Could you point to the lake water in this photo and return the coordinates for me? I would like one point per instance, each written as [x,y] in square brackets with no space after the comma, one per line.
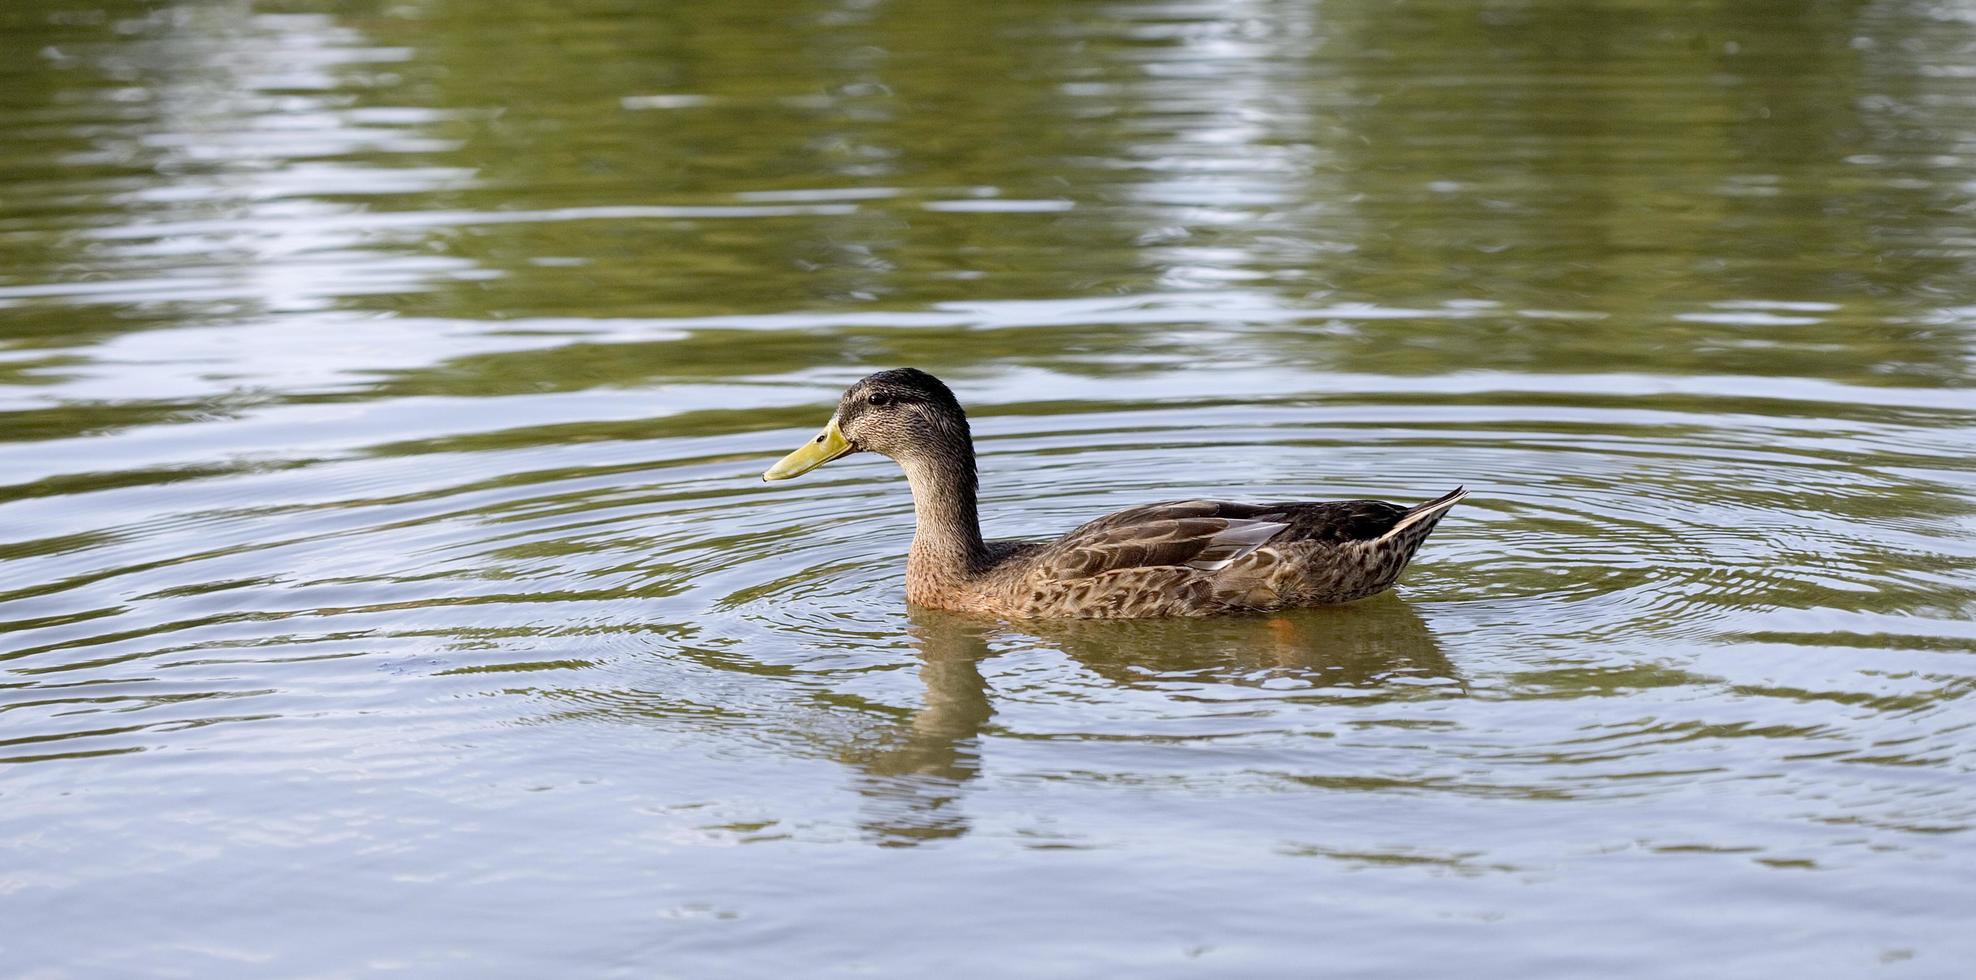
[387,587]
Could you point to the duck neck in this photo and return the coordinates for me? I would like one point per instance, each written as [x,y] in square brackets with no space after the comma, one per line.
[947,544]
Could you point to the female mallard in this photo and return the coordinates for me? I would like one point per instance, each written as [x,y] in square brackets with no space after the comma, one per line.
[1183,558]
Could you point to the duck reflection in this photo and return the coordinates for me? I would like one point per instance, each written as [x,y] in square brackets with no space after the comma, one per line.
[912,777]
[1380,647]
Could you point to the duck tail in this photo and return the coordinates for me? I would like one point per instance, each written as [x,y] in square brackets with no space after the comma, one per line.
[1426,515]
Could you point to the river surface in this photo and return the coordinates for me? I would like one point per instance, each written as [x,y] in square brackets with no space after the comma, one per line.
[387,587]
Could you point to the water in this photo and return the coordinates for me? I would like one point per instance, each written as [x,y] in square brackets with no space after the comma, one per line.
[386,585]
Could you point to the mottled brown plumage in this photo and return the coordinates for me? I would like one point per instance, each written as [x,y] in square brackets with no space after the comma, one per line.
[1179,558]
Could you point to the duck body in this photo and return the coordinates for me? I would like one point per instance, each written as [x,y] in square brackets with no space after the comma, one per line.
[1177,558]
[1190,558]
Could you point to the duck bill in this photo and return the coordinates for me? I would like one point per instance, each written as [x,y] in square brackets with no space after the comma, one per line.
[828,445]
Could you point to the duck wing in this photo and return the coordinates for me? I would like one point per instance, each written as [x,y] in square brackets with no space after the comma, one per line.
[1203,535]
[1209,535]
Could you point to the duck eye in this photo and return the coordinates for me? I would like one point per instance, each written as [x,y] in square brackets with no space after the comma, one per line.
[880,401]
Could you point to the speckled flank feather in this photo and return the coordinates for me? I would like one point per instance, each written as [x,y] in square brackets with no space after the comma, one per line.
[1180,558]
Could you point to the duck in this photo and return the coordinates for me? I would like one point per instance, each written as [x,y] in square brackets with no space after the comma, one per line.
[1173,558]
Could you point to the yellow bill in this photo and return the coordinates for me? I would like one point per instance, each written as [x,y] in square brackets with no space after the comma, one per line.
[828,445]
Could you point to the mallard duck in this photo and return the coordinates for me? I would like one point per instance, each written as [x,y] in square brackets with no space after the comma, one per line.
[1180,558]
